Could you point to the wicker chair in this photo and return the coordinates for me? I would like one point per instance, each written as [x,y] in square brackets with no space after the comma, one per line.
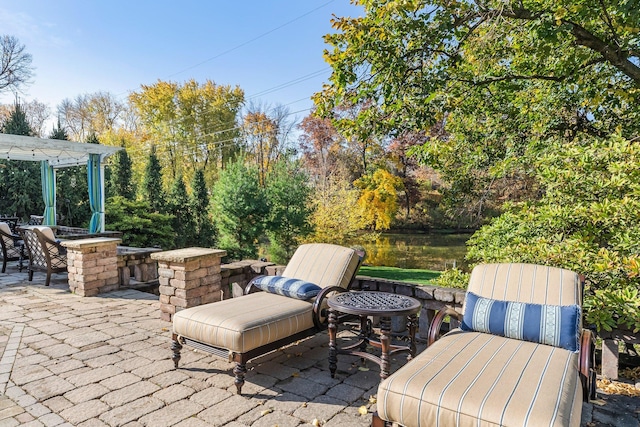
[520,356]
[11,245]
[251,325]
[45,253]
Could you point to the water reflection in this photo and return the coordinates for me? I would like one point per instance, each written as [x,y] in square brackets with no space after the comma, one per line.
[425,251]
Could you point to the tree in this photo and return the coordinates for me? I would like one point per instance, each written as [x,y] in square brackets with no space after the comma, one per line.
[19,180]
[140,226]
[179,207]
[288,194]
[120,175]
[336,216]
[71,189]
[97,113]
[504,78]
[240,209]
[379,198]
[199,203]
[265,131]
[320,144]
[15,64]
[193,125]
[152,190]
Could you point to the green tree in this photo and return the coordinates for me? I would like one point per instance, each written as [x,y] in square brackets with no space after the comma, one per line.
[199,202]
[140,226]
[240,210]
[503,78]
[179,207]
[20,188]
[121,176]
[288,195]
[72,200]
[152,190]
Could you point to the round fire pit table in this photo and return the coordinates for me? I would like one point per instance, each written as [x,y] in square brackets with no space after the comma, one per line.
[369,303]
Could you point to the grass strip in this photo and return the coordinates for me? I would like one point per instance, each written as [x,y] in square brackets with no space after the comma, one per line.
[421,277]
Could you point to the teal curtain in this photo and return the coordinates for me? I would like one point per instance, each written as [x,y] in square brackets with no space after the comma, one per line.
[48,178]
[96,199]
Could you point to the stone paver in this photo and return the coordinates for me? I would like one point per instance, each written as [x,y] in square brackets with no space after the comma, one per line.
[104,361]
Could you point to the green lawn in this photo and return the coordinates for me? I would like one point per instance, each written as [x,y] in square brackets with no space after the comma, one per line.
[422,277]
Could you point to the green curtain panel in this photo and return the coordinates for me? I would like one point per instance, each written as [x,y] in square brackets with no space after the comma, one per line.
[96,202]
[48,177]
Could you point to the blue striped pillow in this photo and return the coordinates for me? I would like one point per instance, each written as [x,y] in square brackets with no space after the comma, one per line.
[556,325]
[293,288]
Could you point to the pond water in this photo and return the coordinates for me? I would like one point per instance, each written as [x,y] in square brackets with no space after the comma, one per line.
[424,251]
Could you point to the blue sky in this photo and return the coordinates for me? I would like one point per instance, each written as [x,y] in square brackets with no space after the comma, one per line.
[270,48]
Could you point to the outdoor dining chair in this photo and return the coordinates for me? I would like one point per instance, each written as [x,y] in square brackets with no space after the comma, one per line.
[289,308]
[520,356]
[45,252]
[11,245]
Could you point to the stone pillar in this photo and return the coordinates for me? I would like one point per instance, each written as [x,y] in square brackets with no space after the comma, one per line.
[92,265]
[188,277]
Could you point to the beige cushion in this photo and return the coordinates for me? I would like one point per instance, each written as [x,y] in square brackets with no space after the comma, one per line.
[323,264]
[476,379]
[527,283]
[48,233]
[244,323]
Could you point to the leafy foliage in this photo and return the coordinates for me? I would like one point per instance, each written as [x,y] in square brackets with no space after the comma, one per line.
[240,209]
[120,176]
[378,200]
[587,221]
[288,194]
[336,215]
[140,226]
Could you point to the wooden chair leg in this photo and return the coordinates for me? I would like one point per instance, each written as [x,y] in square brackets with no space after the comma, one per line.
[30,275]
[46,283]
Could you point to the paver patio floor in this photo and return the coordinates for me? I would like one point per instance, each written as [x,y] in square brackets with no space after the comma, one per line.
[105,361]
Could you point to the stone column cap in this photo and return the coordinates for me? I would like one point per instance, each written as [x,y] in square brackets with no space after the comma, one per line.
[188,254]
[90,242]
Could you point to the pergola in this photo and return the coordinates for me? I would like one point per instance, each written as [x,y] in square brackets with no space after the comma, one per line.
[55,154]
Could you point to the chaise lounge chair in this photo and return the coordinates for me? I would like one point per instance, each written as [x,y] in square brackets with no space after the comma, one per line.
[10,245]
[520,356]
[289,308]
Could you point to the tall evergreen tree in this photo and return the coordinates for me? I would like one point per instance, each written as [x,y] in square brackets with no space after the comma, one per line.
[200,204]
[178,206]
[152,183]
[120,175]
[240,210]
[20,188]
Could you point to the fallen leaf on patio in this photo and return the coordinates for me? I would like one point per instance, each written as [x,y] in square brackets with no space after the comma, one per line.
[315,422]
[615,387]
[165,329]
[304,404]
[363,368]
[363,410]
[295,374]
[373,399]
[266,411]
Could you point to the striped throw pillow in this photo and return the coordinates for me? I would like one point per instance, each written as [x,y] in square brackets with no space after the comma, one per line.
[288,287]
[554,325]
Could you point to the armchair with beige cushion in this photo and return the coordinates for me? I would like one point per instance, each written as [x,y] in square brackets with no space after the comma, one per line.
[45,252]
[520,356]
[288,309]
